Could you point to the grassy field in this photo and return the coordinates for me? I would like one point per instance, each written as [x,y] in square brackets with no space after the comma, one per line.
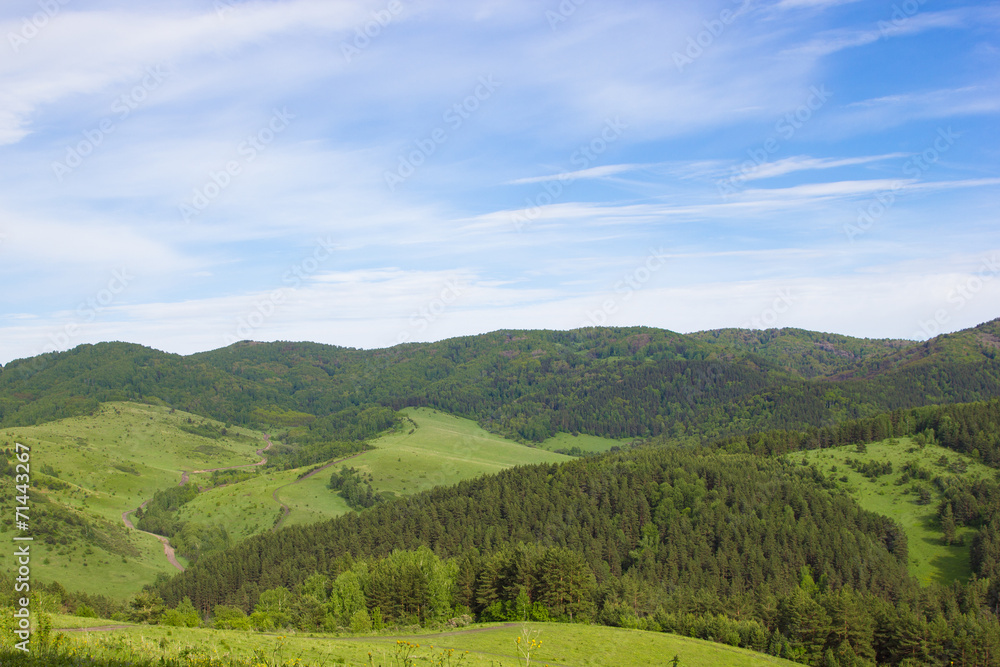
[245,509]
[586,443]
[930,559]
[112,461]
[488,644]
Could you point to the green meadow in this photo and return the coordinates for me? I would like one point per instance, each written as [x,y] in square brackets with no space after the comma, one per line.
[478,645]
[432,448]
[588,444]
[930,559]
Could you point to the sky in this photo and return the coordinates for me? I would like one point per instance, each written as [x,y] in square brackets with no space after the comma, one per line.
[184,174]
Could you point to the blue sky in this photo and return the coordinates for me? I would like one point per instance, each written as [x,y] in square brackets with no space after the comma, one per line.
[188,173]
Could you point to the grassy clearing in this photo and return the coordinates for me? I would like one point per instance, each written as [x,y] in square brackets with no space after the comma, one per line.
[489,644]
[586,443]
[930,559]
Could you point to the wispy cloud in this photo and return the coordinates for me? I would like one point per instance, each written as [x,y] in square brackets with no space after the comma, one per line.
[592,172]
[891,26]
[804,163]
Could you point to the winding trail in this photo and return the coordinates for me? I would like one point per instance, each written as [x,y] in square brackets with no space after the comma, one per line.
[168,550]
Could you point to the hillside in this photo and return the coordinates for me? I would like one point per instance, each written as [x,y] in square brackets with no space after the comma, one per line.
[659,538]
[905,480]
[92,469]
[89,470]
[428,449]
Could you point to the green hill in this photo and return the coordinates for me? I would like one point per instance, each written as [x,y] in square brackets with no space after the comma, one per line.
[893,491]
[91,469]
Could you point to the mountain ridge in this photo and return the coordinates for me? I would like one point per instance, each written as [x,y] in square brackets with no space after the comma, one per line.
[531,384]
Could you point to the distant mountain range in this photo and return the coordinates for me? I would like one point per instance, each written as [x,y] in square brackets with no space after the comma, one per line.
[616,382]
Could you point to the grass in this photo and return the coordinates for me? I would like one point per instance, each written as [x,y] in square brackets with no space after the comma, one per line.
[487,644]
[930,559]
[245,509]
[432,449]
[438,449]
[586,443]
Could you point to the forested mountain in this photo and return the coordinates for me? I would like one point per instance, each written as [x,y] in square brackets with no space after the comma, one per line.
[527,384]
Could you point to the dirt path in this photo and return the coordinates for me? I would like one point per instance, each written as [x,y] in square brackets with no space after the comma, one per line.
[285,509]
[168,550]
[260,453]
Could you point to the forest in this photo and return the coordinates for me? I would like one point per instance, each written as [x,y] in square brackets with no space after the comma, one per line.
[753,550]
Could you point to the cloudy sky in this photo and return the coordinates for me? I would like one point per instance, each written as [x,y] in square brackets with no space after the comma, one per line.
[186,173]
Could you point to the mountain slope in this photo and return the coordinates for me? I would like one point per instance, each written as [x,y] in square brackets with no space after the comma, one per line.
[614,382]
